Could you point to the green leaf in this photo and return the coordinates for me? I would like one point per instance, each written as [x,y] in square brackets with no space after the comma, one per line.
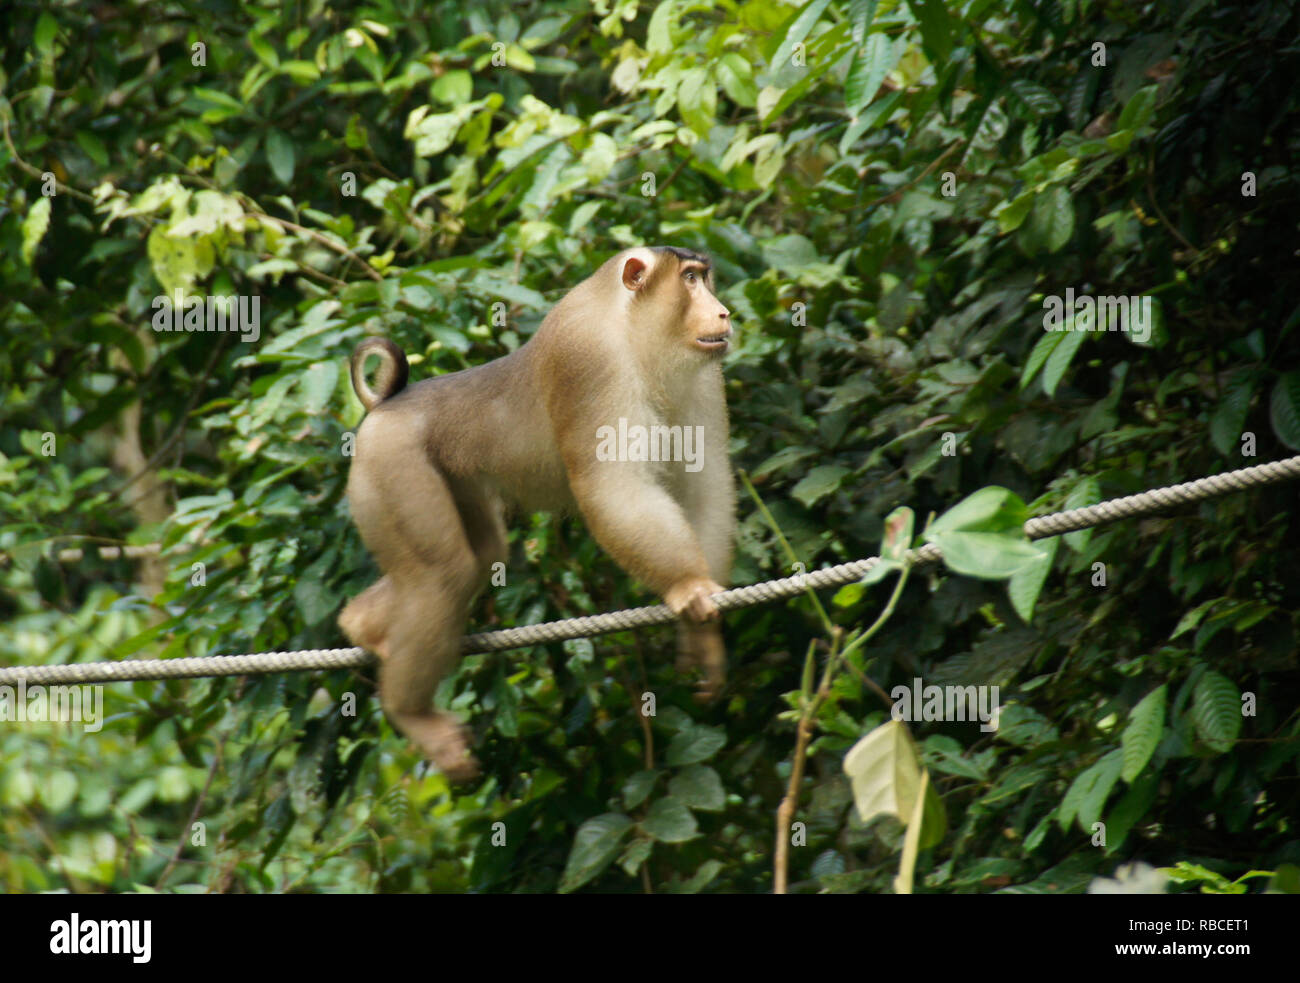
[658,39]
[454,88]
[638,787]
[700,879]
[899,530]
[870,65]
[315,601]
[849,594]
[1059,360]
[698,787]
[1038,357]
[93,146]
[302,72]
[355,136]
[696,743]
[799,29]
[58,790]
[47,29]
[1087,794]
[218,98]
[1284,409]
[768,164]
[519,58]
[669,821]
[1286,880]
[1012,214]
[35,224]
[936,29]
[1027,582]
[697,100]
[987,555]
[991,509]
[1053,218]
[881,109]
[637,853]
[809,673]
[1131,807]
[19,788]
[1193,617]
[1086,492]
[861,15]
[1037,98]
[885,773]
[599,158]
[782,460]
[280,155]
[1216,711]
[594,846]
[264,51]
[434,134]
[1146,726]
[818,483]
[173,786]
[943,754]
[1229,417]
[1139,109]
[737,79]
[319,383]
[791,253]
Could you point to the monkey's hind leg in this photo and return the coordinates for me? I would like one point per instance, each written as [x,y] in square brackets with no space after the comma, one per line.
[366,617]
[438,553]
[428,619]
[368,620]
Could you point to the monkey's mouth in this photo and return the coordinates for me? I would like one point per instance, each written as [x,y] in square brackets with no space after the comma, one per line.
[714,342]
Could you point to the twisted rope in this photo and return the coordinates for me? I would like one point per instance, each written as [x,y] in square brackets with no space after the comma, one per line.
[1144,503]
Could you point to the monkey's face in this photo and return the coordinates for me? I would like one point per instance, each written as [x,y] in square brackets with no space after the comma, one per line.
[707,321]
[674,300]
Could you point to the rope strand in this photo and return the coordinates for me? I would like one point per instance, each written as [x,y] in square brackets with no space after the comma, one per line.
[1144,503]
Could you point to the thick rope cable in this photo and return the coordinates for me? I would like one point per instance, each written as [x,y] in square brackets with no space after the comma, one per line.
[1144,503]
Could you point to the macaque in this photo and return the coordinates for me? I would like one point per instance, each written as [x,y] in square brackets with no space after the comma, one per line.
[614,409]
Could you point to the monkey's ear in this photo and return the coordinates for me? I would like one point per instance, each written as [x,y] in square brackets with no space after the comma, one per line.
[634,273]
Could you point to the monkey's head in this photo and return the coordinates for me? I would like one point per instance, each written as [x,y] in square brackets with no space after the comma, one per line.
[670,298]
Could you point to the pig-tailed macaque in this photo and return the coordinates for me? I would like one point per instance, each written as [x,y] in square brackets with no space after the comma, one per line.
[614,409]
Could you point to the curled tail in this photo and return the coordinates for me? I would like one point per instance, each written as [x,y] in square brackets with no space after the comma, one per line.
[391,378]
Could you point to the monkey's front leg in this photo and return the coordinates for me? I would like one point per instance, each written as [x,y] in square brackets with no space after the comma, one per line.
[709,501]
[700,650]
[699,639]
[646,531]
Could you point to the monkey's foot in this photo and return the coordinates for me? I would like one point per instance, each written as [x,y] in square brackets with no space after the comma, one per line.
[692,598]
[709,681]
[443,739]
[700,652]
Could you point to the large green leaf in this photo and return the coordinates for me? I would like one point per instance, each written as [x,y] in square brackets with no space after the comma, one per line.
[594,846]
[1145,726]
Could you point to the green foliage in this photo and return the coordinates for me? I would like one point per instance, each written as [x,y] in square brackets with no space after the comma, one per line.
[895,195]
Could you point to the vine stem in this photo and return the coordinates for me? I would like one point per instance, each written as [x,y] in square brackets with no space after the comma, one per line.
[804,732]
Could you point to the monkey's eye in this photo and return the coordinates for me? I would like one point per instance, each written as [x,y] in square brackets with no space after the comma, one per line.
[690,276]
